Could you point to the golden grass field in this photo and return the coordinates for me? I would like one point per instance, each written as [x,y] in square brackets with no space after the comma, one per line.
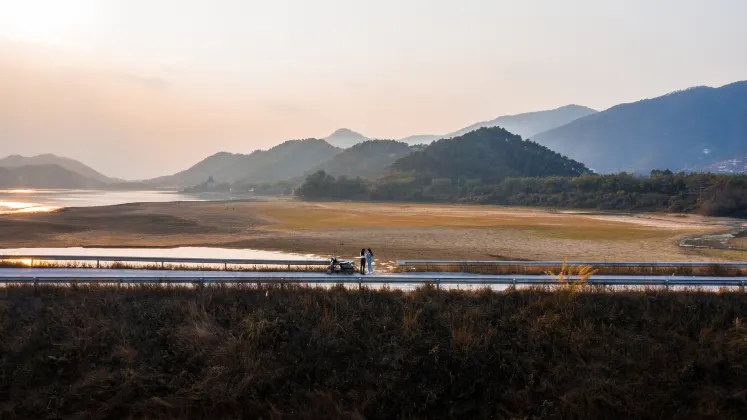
[739,242]
[394,231]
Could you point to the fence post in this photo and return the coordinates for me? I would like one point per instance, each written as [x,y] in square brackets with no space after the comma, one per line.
[741,286]
[666,284]
[98,264]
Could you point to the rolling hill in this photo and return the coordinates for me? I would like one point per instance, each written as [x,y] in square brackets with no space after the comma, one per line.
[16,161]
[285,161]
[491,155]
[46,177]
[684,129]
[369,159]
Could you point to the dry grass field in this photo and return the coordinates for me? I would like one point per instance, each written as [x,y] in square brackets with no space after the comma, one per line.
[394,231]
[740,242]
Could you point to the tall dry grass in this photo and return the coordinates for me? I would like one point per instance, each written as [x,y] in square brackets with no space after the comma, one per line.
[306,353]
[715,270]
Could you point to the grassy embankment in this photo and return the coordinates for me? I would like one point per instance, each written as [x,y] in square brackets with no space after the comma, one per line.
[231,352]
[711,270]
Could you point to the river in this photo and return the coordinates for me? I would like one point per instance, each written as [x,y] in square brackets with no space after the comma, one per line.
[28,200]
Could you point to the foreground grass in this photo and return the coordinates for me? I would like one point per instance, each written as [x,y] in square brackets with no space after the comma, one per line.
[228,352]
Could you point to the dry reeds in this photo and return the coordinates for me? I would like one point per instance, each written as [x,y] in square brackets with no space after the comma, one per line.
[225,352]
[713,270]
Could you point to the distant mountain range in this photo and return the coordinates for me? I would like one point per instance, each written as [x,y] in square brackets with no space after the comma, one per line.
[698,129]
[525,125]
[15,161]
[685,129]
[47,177]
[285,161]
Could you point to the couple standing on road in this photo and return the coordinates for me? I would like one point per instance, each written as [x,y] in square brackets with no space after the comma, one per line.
[367,259]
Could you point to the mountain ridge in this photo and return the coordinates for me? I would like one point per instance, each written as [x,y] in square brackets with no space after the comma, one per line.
[345,137]
[692,127]
[525,124]
[369,159]
[15,161]
[288,160]
[49,176]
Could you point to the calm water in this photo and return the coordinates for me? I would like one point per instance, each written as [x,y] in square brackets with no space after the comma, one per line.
[20,201]
[183,252]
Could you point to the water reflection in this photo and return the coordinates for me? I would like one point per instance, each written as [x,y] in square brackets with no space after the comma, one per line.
[31,200]
[181,252]
[19,191]
[21,207]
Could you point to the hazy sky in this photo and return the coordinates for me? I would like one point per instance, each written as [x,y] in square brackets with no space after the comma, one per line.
[100,80]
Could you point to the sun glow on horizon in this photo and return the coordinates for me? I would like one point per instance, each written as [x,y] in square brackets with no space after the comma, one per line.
[49,22]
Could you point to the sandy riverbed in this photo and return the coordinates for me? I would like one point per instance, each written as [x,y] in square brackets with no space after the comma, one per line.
[394,231]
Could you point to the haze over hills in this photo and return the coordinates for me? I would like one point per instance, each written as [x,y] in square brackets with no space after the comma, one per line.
[369,159]
[46,177]
[684,129]
[526,125]
[285,161]
[700,129]
[15,161]
[344,138]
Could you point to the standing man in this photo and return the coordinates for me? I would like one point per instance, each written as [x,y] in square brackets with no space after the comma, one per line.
[363,261]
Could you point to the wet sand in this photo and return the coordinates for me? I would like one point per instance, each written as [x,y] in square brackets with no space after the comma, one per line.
[394,231]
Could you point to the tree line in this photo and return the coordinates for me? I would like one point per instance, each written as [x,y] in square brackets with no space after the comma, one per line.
[702,193]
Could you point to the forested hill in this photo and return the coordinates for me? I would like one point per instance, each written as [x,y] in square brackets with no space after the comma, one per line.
[490,155]
[370,159]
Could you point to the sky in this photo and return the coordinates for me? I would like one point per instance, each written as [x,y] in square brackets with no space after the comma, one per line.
[141,88]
